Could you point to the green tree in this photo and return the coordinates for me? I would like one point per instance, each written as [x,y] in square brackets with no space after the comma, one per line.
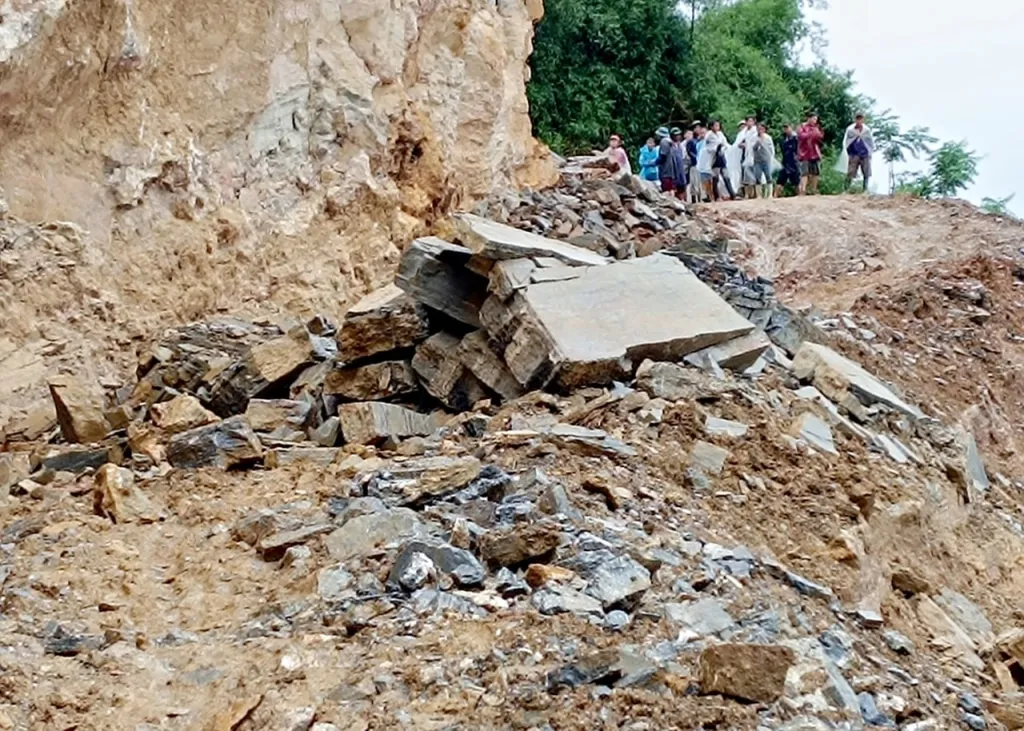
[954,166]
[896,145]
[603,66]
[998,206]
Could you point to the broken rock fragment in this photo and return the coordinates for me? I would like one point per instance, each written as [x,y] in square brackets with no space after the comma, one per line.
[410,481]
[372,382]
[281,418]
[519,544]
[368,533]
[226,444]
[716,427]
[435,274]
[181,413]
[703,617]
[499,242]
[372,422]
[815,432]
[595,328]
[385,320]
[281,456]
[508,276]
[116,496]
[678,383]
[737,354]
[755,673]
[594,442]
[273,547]
[461,565]
[708,458]
[438,364]
[620,582]
[79,411]
[261,369]
[480,359]
[557,599]
[837,376]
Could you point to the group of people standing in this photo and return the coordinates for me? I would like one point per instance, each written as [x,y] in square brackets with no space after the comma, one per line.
[701,165]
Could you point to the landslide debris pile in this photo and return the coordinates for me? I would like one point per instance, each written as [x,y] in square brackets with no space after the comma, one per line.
[526,486]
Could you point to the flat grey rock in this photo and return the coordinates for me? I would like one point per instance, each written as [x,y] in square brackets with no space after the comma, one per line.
[621,581]
[815,432]
[737,354]
[702,617]
[365,534]
[835,376]
[557,599]
[595,328]
[715,427]
[708,457]
[499,242]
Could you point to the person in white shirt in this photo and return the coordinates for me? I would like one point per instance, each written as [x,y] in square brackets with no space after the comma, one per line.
[616,154]
[858,146]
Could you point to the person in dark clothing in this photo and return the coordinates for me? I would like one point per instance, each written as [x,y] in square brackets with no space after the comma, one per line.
[680,159]
[790,173]
[692,151]
[666,161]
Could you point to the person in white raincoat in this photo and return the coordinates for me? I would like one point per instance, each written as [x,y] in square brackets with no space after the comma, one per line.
[745,140]
[858,146]
[714,163]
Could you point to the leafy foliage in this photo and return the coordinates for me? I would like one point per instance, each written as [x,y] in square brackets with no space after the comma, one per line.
[954,167]
[896,145]
[998,206]
[603,66]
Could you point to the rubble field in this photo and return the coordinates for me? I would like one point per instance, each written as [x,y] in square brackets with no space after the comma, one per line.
[580,466]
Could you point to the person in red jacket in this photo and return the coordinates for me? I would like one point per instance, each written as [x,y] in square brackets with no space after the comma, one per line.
[808,154]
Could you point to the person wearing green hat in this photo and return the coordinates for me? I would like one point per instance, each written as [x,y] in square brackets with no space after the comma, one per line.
[666,162]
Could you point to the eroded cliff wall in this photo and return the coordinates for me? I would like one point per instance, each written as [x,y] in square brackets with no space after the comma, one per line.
[244,155]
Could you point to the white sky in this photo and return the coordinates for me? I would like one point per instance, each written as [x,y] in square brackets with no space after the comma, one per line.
[953,66]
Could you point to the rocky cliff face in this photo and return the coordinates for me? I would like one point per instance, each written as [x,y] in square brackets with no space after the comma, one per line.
[271,152]
[286,145]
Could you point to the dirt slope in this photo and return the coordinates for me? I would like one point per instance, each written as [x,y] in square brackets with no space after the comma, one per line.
[828,251]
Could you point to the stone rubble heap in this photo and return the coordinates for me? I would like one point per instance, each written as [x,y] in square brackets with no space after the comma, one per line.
[496,314]
[504,341]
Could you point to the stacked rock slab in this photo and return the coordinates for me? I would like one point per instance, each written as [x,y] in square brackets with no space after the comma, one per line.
[555,314]
[487,317]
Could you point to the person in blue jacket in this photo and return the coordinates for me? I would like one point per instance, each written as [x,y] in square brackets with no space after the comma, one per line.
[649,160]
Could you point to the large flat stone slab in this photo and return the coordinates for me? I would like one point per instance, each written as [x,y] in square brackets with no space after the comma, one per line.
[500,242]
[434,272]
[835,376]
[597,327]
